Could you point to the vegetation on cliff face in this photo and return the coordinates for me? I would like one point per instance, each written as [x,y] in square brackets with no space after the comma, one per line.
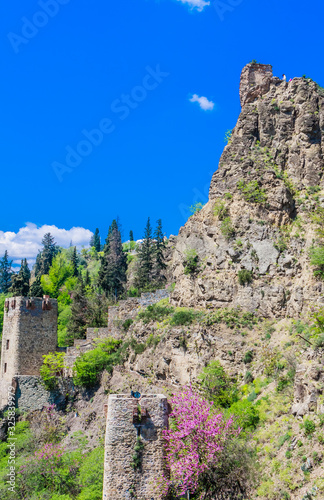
[244,326]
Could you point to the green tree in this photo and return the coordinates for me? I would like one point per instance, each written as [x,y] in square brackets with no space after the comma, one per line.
[20,282]
[95,240]
[45,258]
[5,273]
[36,289]
[131,236]
[77,325]
[112,273]
[74,262]
[145,259]
[87,279]
[59,272]
[52,367]
[217,386]
[97,309]
[159,249]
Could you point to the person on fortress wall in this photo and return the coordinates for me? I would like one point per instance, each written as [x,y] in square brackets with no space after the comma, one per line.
[284,77]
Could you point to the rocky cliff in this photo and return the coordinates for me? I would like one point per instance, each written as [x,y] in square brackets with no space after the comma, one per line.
[261,204]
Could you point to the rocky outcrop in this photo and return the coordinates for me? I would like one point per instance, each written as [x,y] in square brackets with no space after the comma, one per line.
[308,389]
[255,81]
[258,217]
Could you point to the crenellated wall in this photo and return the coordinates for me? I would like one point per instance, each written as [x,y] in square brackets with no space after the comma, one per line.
[29,332]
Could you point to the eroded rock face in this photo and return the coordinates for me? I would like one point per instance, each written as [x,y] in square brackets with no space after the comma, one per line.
[276,151]
[255,81]
[308,392]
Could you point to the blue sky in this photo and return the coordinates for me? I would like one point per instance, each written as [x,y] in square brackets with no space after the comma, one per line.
[67,73]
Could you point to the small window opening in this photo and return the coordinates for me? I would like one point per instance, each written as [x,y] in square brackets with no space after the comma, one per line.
[5,367]
[8,344]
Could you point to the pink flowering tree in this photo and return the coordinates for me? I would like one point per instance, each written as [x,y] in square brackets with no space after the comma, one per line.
[194,444]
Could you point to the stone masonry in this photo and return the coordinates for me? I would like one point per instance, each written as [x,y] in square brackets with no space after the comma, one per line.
[29,332]
[121,481]
[126,309]
[255,81]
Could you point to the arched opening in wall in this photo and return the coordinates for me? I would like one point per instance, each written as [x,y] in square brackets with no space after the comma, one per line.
[7,344]
[5,368]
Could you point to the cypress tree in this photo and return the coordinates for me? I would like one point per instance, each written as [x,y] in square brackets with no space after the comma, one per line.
[131,236]
[44,262]
[87,280]
[74,261]
[36,289]
[5,273]
[25,271]
[77,325]
[95,241]
[145,259]
[159,248]
[20,282]
[112,273]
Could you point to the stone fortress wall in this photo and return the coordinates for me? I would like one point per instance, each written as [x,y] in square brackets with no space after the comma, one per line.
[121,481]
[29,332]
[126,309]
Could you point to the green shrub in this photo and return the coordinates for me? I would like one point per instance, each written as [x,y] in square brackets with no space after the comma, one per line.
[283,382]
[227,229]
[317,260]
[196,208]
[91,364]
[228,136]
[233,318]
[246,413]
[220,210]
[137,347]
[51,369]
[244,277]
[155,312]
[281,244]
[126,325]
[248,357]
[217,386]
[252,192]
[133,292]
[252,396]
[137,456]
[90,475]
[319,341]
[248,378]
[190,261]
[313,189]
[152,340]
[184,317]
[309,426]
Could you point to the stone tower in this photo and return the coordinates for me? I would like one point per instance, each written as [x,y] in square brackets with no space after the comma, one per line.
[125,423]
[29,332]
[255,81]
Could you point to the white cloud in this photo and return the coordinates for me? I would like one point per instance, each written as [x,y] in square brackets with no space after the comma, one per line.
[27,241]
[196,4]
[204,103]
